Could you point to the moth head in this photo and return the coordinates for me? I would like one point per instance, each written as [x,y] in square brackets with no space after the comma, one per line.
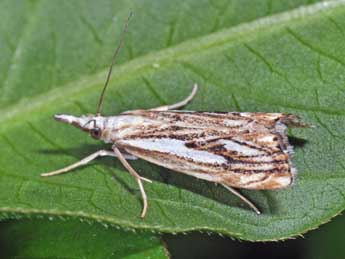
[94,125]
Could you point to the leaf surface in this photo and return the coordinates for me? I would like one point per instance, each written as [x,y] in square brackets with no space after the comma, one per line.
[292,61]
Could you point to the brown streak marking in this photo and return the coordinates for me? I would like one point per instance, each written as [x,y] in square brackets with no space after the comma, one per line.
[218,148]
[221,117]
[183,159]
[263,185]
[227,137]
[186,136]
[234,158]
[252,146]
[189,117]
[177,133]
[245,161]
[259,117]
[260,180]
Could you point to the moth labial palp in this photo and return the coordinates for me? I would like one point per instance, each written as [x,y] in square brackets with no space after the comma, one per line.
[247,150]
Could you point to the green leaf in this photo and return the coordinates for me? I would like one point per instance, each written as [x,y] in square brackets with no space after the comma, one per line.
[73,239]
[54,61]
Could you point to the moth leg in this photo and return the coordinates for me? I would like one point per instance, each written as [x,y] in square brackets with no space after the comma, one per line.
[137,177]
[250,204]
[85,161]
[179,104]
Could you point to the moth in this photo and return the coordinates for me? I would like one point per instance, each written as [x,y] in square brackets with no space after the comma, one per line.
[235,149]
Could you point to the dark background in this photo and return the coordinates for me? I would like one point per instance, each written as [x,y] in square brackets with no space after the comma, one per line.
[325,242]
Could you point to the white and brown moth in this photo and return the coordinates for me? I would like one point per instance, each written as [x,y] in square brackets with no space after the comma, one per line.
[235,149]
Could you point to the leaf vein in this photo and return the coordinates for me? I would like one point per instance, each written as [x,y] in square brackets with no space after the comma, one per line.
[16,150]
[153,91]
[313,48]
[268,64]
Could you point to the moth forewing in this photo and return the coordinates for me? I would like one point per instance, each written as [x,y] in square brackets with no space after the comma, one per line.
[252,153]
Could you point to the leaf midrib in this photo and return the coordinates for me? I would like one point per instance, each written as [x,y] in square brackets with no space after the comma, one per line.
[87,83]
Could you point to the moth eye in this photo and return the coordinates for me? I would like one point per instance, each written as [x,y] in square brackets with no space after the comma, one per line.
[96,133]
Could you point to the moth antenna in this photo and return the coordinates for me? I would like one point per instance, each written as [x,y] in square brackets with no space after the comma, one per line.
[112,64]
